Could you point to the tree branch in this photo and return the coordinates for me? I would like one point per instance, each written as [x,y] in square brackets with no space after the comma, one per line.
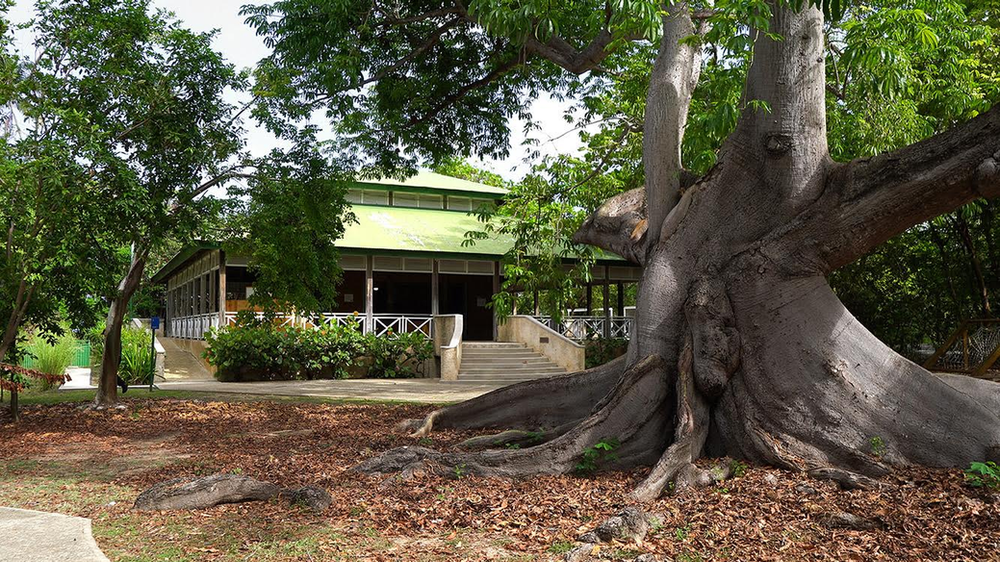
[559,52]
[620,224]
[432,40]
[450,99]
[883,196]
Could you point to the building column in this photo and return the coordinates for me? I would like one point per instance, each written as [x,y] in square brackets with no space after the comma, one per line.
[222,288]
[590,299]
[621,299]
[435,304]
[607,303]
[369,293]
[496,289]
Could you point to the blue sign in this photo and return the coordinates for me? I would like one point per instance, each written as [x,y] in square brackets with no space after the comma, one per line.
[154,322]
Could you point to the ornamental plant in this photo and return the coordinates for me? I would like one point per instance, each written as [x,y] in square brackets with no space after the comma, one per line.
[258,350]
[14,379]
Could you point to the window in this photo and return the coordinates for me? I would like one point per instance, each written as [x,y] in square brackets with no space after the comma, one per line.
[459,203]
[417,200]
[367,197]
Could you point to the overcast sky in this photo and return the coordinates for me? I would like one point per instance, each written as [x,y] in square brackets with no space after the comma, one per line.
[243,48]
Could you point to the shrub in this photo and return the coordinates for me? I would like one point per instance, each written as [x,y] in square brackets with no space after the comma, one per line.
[599,351]
[51,357]
[983,475]
[395,356]
[136,366]
[95,335]
[260,351]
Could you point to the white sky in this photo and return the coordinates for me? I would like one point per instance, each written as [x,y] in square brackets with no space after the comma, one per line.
[238,43]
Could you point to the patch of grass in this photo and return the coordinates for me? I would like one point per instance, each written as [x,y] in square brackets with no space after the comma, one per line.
[561,547]
[737,468]
[135,394]
[877,446]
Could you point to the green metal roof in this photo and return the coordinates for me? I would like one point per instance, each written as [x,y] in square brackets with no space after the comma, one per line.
[186,253]
[429,181]
[403,229]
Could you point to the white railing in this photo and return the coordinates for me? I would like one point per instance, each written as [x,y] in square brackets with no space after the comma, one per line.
[581,328]
[385,323]
[192,327]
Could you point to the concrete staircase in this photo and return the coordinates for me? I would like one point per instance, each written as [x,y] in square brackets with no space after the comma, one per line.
[504,362]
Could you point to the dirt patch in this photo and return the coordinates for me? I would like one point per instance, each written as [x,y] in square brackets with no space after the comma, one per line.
[94,463]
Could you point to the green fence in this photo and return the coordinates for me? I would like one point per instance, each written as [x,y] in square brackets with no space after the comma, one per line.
[80,359]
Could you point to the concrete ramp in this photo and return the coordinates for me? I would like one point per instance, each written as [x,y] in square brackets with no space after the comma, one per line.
[36,536]
[180,362]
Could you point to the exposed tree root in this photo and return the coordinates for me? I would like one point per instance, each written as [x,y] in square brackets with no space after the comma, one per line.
[846,479]
[690,433]
[529,406]
[515,438]
[637,414]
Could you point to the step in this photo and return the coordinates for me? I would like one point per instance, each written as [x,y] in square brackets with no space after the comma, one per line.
[493,345]
[506,380]
[516,372]
[495,377]
[503,361]
[518,349]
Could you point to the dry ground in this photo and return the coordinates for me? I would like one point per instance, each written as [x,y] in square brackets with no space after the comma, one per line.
[76,461]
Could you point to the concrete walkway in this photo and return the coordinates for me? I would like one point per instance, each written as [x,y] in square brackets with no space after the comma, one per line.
[35,536]
[431,391]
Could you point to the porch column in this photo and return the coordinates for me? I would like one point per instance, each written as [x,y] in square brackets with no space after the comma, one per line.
[621,299]
[369,293]
[607,302]
[222,288]
[169,313]
[496,289]
[435,305]
[590,299]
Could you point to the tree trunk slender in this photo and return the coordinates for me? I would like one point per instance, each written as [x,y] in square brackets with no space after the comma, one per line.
[962,226]
[671,84]
[107,387]
[946,267]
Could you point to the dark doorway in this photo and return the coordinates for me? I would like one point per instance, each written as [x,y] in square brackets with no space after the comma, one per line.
[402,293]
[469,296]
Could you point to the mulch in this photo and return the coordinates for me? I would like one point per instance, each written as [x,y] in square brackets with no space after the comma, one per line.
[766,514]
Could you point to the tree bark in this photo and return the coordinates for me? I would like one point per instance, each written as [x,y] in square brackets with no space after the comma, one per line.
[671,85]
[740,347]
[107,387]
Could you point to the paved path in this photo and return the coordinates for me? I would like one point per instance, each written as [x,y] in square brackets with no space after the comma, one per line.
[79,379]
[431,391]
[35,536]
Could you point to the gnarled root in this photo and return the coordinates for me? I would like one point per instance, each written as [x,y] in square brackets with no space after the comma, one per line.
[529,406]
[515,438]
[636,414]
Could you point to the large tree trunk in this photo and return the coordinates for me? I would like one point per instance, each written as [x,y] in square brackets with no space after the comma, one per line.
[107,387]
[740,346]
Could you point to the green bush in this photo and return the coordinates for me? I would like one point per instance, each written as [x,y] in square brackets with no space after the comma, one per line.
[254,352]
[95,335]
[137,355]
[395,356]
[599,351]
[51,357]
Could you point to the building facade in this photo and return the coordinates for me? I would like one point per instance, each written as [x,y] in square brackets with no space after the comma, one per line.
[403,263]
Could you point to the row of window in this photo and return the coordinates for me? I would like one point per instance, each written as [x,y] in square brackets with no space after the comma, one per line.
[414,200]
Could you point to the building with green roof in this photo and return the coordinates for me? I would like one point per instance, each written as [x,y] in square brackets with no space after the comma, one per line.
[403,261]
